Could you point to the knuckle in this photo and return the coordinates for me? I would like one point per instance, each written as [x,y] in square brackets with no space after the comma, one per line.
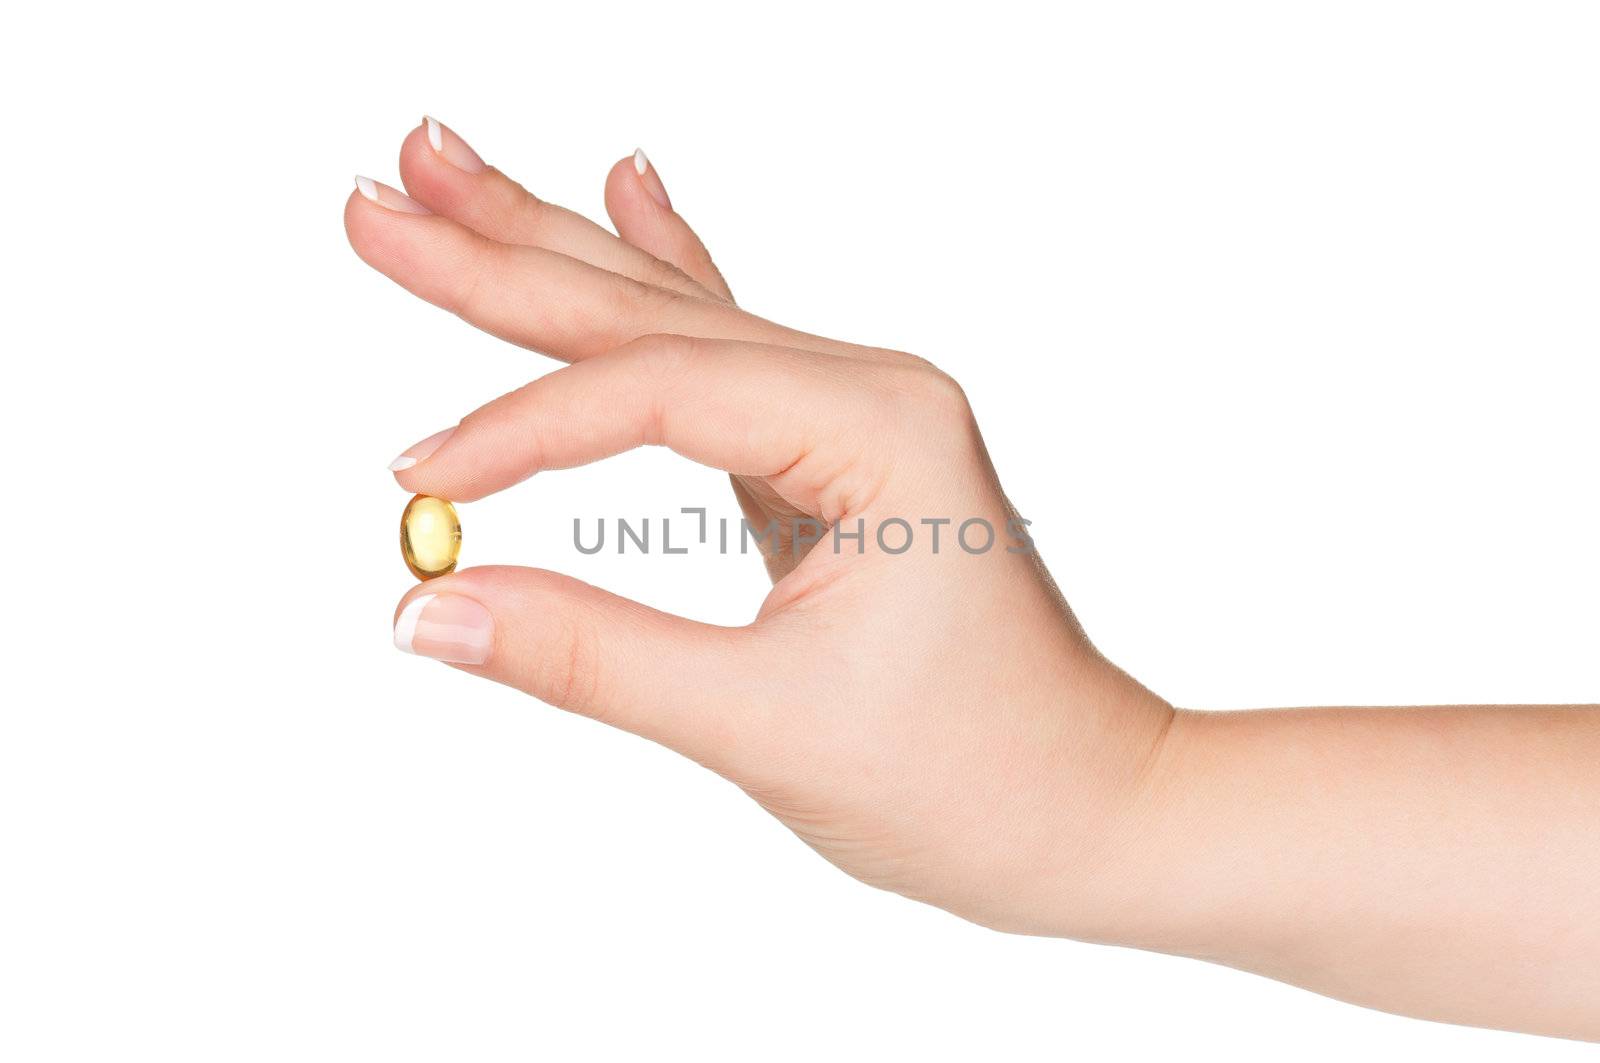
[664,362]
[664,358]
[894,357]
[670,277]
[933,391]
[658,304]
[567,667]
[475,278]
[638,307]
[532,214]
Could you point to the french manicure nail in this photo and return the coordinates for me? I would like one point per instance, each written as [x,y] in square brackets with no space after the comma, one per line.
[446,627]
[393,198]
[650,179]
[449,146]
[419,451]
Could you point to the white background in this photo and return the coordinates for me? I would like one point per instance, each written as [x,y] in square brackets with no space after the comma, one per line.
[1281,321]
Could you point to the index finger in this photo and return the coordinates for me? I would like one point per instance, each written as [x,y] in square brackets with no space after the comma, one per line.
[802,420]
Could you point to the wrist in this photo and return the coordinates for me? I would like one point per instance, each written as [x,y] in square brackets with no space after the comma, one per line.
[1097,810]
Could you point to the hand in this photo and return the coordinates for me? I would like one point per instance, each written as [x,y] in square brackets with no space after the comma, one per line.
[933,721]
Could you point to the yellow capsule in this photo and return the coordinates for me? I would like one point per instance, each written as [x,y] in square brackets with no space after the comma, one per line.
[430,537]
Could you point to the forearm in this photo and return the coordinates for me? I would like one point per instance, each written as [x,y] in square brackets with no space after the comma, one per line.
[1440,862]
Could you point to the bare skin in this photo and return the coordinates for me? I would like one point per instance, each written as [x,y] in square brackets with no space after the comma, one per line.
[939,724]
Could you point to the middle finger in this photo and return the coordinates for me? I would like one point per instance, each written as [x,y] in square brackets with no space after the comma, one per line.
[450,179]
[548,302]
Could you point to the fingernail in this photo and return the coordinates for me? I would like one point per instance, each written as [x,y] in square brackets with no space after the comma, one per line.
[447,143]
[420,451]
[652,180]
[446,627]
[384,196]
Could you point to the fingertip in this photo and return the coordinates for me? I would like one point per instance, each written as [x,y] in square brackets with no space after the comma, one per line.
[454,628]
[638,206]
[477,465]
[425,175]
[436,161]
[428,254]
[367,227]
[388,197]
[650,179]
[640,219]
[420,451]
[462,617]
[352,211]
[447,483]
[470,467]
[633,185]
[499,588]
[620,182]
[405,616]
[414,149]
[371,214]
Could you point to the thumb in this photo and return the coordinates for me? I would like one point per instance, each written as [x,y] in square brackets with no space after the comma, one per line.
[638,204]
[689,686]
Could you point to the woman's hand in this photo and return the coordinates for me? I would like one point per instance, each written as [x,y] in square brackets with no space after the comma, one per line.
[933,720]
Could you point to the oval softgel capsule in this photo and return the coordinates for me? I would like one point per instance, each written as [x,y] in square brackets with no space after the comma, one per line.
[430,536]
